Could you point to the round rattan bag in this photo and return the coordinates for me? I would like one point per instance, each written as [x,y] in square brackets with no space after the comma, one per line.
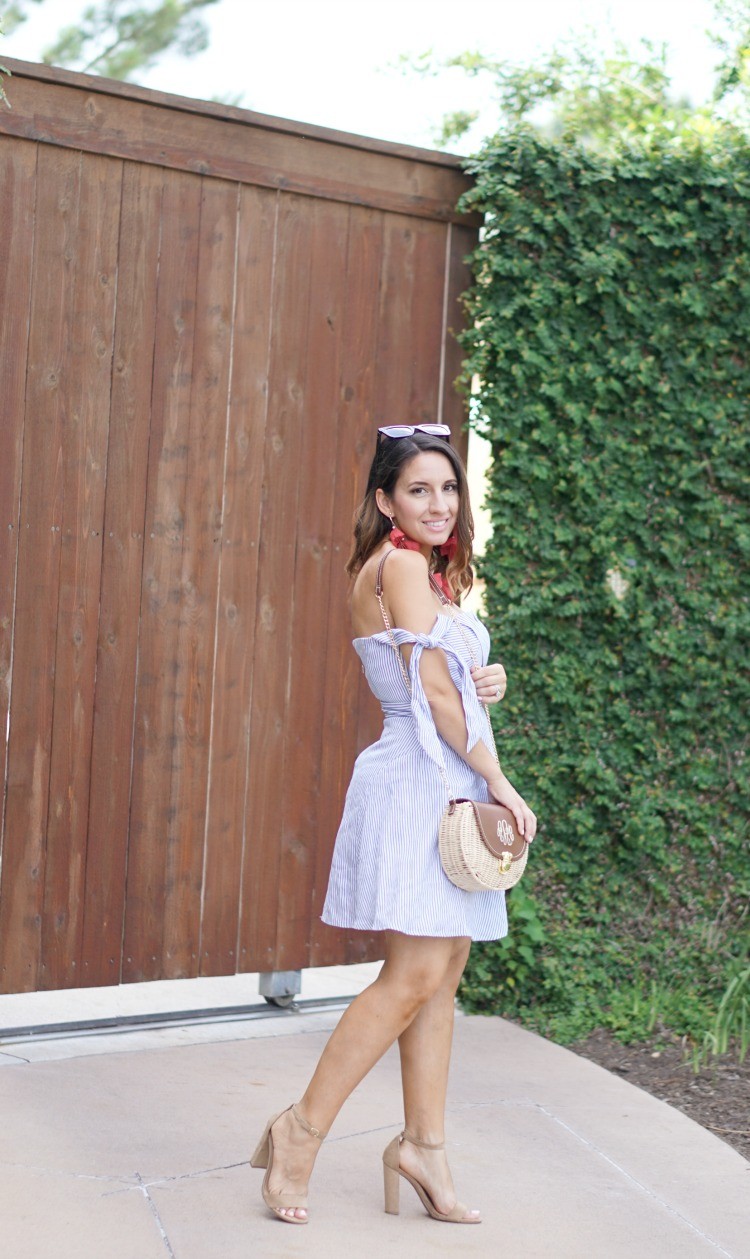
[480,846]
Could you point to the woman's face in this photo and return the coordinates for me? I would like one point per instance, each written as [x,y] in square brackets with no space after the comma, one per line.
[425,500]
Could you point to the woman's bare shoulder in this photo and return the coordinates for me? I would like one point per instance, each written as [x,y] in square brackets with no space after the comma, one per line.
[407,561]
[403,571]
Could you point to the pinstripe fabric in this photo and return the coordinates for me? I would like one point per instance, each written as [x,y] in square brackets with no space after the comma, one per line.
[386,872]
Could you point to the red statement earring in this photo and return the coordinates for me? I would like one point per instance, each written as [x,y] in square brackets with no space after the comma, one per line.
[399,539]
[449,547]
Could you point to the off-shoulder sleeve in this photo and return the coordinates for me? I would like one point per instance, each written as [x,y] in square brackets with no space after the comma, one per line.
[460,671]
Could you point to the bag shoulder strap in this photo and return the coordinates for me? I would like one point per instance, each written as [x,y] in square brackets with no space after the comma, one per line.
[379,578]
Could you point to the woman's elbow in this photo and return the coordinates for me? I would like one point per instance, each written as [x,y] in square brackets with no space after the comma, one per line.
[442,701]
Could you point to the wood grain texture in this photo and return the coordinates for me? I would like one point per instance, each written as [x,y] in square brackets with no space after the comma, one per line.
[38,576]
[214,109]
[86,118]
[122,561]
[199,575]
[194,371]
[84,400]
[461,242]
[17,215]
[352,449]
[223,906]
[155,869]
[273,710]
[312,617]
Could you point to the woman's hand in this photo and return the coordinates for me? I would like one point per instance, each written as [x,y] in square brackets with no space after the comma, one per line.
[490,681]
[505,793]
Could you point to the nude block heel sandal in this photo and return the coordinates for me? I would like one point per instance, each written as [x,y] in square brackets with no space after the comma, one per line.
[391,1173]
[263,1157]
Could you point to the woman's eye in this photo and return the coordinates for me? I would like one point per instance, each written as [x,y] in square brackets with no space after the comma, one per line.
[450,488]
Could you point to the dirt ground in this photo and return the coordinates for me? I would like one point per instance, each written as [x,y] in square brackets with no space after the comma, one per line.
[718,1097]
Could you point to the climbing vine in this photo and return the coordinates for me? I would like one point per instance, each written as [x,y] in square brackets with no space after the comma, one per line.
[609,332]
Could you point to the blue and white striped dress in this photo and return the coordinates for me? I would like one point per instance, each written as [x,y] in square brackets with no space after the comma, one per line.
[386,872]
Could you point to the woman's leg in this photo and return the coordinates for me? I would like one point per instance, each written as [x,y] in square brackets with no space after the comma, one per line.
[425,1048]
[415,968]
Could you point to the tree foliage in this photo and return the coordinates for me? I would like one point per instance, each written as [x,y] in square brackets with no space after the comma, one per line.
[117,38]
[732,39]
[582,92]
[609,324]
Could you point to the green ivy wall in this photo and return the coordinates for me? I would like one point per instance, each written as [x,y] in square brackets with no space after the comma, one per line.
[611,336]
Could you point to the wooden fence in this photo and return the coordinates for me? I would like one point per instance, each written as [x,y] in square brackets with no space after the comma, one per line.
[205,315]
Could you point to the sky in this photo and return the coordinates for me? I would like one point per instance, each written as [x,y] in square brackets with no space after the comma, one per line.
[334,62]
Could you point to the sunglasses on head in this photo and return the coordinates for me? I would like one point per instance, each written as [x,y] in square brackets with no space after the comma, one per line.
[408,430]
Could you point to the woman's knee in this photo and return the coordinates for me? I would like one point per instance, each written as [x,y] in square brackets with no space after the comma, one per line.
[416,976]
[459,958]
[413,989]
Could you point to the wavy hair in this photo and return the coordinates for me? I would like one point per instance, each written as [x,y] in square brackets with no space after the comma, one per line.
[371,526]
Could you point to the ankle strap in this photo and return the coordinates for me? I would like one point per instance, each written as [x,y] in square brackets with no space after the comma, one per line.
[314,1132]
[425,1145]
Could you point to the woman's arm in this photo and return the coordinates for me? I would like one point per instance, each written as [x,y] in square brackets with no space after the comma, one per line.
[411,606]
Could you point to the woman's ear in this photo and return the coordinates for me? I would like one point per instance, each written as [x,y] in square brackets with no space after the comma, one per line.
[383,503]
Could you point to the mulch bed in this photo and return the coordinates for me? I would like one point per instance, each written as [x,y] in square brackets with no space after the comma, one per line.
[718,1097]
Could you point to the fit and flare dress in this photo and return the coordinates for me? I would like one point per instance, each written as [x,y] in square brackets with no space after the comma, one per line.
[386,872]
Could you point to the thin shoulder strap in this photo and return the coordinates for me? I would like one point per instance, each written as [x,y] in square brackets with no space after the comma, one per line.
[386,622]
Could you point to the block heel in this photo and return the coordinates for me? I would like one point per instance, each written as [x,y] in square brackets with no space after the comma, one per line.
[263,1148]
[391,1184]
[391,1172]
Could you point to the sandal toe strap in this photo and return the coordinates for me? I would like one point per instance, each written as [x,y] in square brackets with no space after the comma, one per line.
[286,1200]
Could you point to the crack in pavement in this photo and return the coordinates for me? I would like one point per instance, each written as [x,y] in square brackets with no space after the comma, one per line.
[155,1212]
[655,1197]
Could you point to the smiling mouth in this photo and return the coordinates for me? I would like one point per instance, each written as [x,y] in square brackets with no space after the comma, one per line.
[435,525]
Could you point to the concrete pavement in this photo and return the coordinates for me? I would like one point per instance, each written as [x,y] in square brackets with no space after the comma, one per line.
[136,1146]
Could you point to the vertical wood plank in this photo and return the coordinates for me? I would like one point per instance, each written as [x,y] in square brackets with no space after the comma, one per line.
[273,708]
[154,850]
[462,241]
[354,444]
[17,214]
[235,639]
[411,317]
[85,402]
[392,399]
[310,610]
[122,559]
[426,335]
[27,797]
[199,575]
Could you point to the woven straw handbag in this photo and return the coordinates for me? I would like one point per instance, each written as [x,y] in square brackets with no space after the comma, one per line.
[481,848]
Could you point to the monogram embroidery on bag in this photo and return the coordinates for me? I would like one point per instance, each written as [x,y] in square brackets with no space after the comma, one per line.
[505,832]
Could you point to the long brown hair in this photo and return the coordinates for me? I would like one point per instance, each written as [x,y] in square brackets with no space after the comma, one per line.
[371,526]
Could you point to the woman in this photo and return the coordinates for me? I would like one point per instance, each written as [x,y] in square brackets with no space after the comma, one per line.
[411,557]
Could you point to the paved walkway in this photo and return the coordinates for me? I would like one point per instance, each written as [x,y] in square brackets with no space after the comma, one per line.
[136,1146]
